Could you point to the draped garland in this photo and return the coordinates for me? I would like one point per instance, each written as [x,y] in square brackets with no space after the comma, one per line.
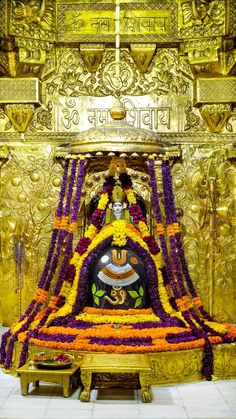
[176,319]
[176,264]
[65,224]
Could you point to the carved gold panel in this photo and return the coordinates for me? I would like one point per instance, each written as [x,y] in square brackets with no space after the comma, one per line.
[20,90]
[30,183]
[215,90]
[155,21]
[19,115]
[231,21]
[3,18]
[32,18]
[202,18]
[204,187]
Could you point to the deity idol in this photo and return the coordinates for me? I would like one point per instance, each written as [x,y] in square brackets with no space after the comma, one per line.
[118,275]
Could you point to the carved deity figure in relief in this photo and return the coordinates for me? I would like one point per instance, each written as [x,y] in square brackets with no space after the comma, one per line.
[33,11]
[200,11]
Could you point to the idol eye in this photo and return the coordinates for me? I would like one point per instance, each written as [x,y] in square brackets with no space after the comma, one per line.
[134,260]
[104,259]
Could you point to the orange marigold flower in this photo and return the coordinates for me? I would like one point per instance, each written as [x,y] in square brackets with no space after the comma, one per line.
[40,295]
[184,303]
[53,302]
[160,228]
[64,222]
[107,311]
[72,227]
[197,301]
[57,222]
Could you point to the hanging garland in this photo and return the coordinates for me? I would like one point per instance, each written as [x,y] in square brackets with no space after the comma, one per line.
[175,320]
[61,228]
[177,270]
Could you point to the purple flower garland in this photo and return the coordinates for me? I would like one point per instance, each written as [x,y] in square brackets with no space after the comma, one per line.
[178,290]
[61,276]
[158,216]
[63,231]
[5,337]
[190,313]
[51,262]
[74,216]
[167,183]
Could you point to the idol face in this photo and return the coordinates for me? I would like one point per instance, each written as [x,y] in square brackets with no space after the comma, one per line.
[117,207]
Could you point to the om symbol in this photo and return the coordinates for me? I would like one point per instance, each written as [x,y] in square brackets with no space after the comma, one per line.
[118,294]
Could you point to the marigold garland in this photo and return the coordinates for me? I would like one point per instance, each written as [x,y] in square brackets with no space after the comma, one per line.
[72,228]
[158,345]
[103,201]
[119,233]
[165,327]
[119,312]
[128,319]
[40,295]
[105,331]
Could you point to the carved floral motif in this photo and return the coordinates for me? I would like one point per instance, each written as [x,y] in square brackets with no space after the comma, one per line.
[193,121]
[43,118]
[73,78]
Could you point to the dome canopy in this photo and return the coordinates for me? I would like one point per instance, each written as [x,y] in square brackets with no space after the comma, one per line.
[116,136]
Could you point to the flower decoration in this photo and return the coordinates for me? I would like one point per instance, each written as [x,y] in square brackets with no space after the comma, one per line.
[175,320]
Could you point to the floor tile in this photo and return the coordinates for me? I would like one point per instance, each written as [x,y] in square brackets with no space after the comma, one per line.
[162,412]
[68,414]
[26,413]
[2,401]
[232,406]
[64,403]
[116,411]
[19,402]
[206,413]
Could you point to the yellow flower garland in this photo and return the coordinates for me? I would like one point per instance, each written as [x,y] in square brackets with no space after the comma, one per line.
[103,201]
[130,196]
[129,318]
[119,233]
[91,232]
[142,226]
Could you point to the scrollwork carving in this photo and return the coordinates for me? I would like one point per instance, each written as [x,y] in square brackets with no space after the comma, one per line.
[43,118]
[193,121]
[176,367]
[3,116]
[74,80]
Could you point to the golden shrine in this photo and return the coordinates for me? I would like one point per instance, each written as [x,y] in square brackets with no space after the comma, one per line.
[169,142]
